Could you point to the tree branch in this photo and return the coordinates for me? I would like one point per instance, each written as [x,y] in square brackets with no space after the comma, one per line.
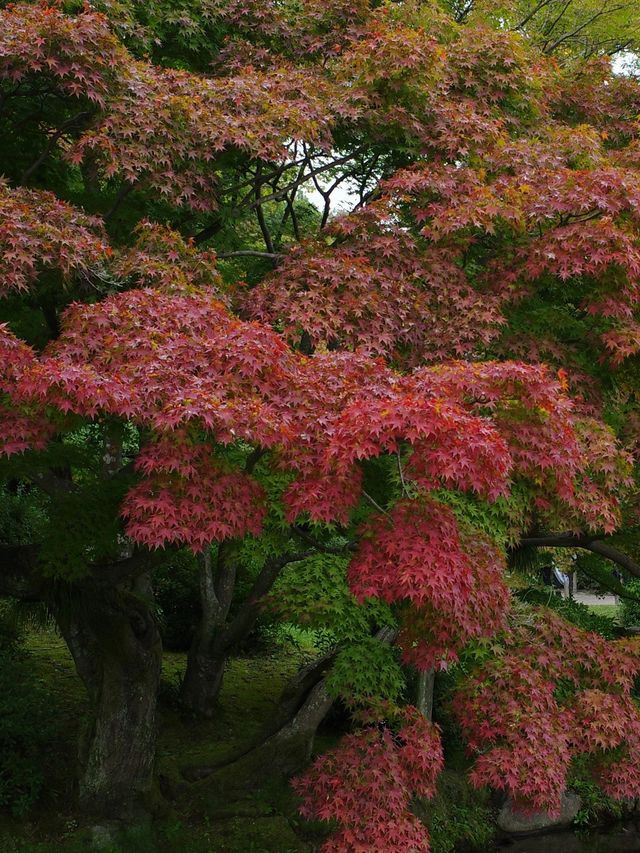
[129,568]
[586,543]
[280,194]
[532,14]
[250,253]
[248,613]
[266,235]
[67,125]
[574,33]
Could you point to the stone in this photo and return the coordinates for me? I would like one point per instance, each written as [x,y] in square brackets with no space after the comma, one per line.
[514,822]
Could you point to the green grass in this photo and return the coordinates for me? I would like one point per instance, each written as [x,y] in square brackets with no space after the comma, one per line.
[610,610]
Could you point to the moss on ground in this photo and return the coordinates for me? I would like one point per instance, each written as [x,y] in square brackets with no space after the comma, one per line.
[265,821]
[206,818]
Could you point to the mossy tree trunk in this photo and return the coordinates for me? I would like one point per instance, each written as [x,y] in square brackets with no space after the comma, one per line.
[115,643]
[424,693]
[207,656]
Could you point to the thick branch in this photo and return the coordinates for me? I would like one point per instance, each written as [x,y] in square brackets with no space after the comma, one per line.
[52,484]
[129,568]
[248,613]
[587,543]
[266,234]
[251,253]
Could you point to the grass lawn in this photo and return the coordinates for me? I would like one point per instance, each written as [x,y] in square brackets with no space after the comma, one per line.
[610,610]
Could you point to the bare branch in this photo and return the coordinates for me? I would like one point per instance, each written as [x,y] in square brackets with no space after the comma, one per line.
[374,502]
[67,125]
[266,236]
[549,28]
[401,473]
[577,30]
[280,194]
[464,11]
[250,253]
[541,5]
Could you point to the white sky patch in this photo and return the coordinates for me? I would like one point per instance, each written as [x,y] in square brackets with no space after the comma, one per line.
[626,62]
[343,198]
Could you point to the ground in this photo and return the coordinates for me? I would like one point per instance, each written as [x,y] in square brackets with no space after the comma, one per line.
[264,821]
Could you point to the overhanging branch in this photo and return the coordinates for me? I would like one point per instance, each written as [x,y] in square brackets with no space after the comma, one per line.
[586,543]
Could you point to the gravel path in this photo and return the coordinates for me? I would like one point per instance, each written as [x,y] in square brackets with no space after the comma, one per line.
[591,599]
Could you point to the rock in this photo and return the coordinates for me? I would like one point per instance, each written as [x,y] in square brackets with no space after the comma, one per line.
[518,823]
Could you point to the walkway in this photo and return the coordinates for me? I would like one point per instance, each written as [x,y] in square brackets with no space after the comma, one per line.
[591,599]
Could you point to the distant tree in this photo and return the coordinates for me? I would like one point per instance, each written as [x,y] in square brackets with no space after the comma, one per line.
[564,28]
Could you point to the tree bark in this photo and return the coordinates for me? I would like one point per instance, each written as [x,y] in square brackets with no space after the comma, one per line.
[207,656]
[424,698]
[116,647]
[115,644]
[215,636]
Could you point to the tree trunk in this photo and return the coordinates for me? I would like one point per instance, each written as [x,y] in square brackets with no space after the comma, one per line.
[202,682]
[215,636]
[116,646]
[207,656]
[424,698]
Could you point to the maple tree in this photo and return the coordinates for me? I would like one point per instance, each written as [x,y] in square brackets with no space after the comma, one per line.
[367,785]
[160,402]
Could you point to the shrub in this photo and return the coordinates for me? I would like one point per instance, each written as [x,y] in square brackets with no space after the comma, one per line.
[630,609]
